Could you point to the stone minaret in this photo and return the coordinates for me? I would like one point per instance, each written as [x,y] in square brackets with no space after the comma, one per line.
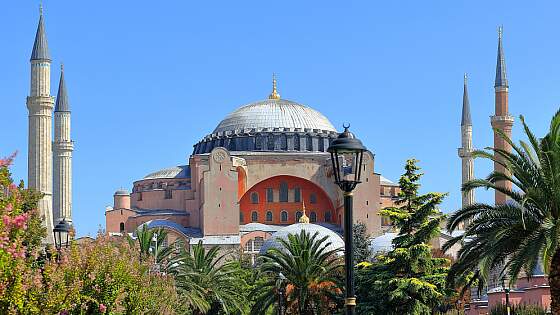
[465,152]
[40,106]
[62,155]
[501,119]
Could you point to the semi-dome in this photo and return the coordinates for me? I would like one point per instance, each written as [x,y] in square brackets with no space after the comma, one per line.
[274,113]
[273,242]
[181,171]
[274,124]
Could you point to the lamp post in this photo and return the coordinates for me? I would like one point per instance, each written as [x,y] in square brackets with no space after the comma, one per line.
[346,156]
[281,294]
[61,236]
[506,291]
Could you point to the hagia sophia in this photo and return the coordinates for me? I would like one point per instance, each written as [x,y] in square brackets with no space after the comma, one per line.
[262,168]
[262,173]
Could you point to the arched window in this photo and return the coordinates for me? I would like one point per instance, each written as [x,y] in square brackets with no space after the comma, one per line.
[255,197]
[328,216]
[298,216]
[254,216]
[121,227]
[284,216]
[240,217]
[313,198]
[283,192]
[313,216]
[269,216]
[297,194]
[269,195]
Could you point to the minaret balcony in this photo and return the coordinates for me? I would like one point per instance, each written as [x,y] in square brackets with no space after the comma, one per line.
[504,119]
[465,152]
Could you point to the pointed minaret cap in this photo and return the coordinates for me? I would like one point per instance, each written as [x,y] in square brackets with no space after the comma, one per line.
[304,218]
[501,79]
[466,116]
[274,95]
[40,47]
[62,104]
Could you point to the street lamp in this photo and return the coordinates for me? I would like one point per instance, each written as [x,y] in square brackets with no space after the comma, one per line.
[61,235]
[346,155]
[281,293]
[506,291]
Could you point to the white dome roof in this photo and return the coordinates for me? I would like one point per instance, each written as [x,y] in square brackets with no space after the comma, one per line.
[274,113]
[333,237]
[383,243]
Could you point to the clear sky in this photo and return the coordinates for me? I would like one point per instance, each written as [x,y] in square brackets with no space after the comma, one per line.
[147,79]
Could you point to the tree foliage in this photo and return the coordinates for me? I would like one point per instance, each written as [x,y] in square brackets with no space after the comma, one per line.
[518,235]
[208,283]
[362,249]
[408,279]
[308,272]
[104,276]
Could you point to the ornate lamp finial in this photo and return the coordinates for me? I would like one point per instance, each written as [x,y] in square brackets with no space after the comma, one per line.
[500,31]
[41,8]
[61,67]
[304,218]
[465,78]
[274,95]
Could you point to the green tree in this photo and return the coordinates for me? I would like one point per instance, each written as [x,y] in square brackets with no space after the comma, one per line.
[408,279]
[515,236]
[206,282]
[311,276]
[151,243]
[362,249]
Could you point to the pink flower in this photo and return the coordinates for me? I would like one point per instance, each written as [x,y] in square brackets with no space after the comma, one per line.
[102,308]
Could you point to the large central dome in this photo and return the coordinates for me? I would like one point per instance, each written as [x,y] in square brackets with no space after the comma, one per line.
[274,124]
[274,113]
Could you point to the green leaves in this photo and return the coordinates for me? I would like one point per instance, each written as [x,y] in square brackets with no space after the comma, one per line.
[310,275]
[517,236]
[407,280]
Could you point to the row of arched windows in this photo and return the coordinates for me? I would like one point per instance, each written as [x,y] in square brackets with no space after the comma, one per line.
[284,216]
[283,195]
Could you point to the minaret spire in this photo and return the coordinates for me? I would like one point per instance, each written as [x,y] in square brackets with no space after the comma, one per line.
[501,78]
[501,120]
[40,46]
[62,155]
[466,115]
[274,95]
[465,152]
[40,108]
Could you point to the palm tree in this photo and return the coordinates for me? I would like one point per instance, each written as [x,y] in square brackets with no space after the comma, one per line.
[515,236]
[310,272]
[205,281]
[151,243]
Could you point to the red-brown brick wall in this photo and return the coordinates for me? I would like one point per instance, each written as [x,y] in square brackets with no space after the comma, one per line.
[307,188]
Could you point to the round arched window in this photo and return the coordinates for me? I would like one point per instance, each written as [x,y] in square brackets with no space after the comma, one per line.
[284,216]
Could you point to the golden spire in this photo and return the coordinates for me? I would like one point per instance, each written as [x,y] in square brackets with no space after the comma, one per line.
[304,218]
[274,95]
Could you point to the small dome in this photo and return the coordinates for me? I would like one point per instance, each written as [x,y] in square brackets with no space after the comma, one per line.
[122,192]
[333,237]
[181,171]
[383,243]
[274,113]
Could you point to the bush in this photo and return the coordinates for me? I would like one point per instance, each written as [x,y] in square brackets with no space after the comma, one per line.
[519,309]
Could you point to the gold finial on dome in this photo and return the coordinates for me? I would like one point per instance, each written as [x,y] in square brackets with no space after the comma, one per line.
[304,218]
[274,95]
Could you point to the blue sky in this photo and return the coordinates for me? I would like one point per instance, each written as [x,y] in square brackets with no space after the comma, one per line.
[146,81]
